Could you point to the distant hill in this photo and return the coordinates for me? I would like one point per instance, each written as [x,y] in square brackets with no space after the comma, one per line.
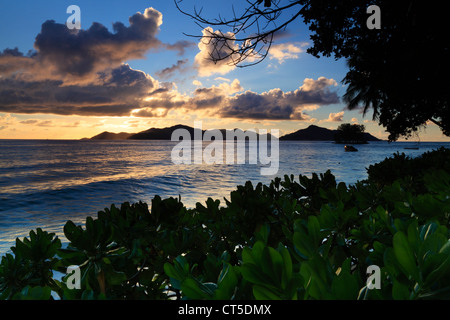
[315,133]
[160,133]
[157,134]
[312,133]
[166,133]
[111,136]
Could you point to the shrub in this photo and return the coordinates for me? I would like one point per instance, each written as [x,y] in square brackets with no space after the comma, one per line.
[305,239]
[411,171]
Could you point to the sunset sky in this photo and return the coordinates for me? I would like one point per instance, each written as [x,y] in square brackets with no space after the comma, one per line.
[131,67]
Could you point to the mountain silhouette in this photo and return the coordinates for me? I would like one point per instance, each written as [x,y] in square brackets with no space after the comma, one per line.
[111,136]
[164,134]
[160,133]
[312,133]
[315,133]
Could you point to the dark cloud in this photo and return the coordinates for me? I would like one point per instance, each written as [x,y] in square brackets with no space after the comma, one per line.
[120,91]
[81,71]
[278,105]
[11,52]
[225,101]
[29,121]
[251,105]
[180,46]
[12,60]
[170,71]
[83,52]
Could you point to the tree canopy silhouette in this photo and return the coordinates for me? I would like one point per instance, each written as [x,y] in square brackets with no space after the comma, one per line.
[399,71]
[350,133]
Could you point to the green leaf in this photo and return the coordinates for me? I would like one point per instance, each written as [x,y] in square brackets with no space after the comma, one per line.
[263,293]
[115,277]
[172,272]
[400,291]
[304,244]
[263,234]
[252,273]
[405,256]
[345,286]
[413,236]
[226,283]
[287,266]
[34,293]
[314,230]
[194,289]
[443,268]
[272,264]
[72,232]
[315,277]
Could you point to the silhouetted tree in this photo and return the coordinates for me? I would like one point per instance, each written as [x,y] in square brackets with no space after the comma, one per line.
[398,71]
[350,133]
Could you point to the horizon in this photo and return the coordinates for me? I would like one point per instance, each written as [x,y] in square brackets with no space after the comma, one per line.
[159,81]
[132,133]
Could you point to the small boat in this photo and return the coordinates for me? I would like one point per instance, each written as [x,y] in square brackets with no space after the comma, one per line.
[412,148]
[350,149]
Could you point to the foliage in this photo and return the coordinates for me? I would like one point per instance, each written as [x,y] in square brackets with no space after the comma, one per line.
[350,133]
[306,239]
[412,171]
[30,267]
[386,72]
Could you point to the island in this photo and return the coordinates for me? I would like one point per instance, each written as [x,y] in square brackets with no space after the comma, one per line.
[166,134]
[311,133]
[315,133]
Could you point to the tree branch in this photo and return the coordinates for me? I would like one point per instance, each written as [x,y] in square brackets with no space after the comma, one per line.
[256,45]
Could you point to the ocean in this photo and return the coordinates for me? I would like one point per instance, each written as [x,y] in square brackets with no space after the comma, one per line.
[44,183]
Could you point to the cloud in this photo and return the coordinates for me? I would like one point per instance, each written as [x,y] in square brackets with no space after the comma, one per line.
[45,123]
[151,113]
[38,123]
[31,122]
[169,72]
[12,61]
[217,55]
[83,53]
[321,83]
[273,104]
[72,125]
[284,51]
[6,121]
[117,93]
[335,117]
[84,73]
[180,46]
[222,79]
[229,100]
[278,105]
[81,72]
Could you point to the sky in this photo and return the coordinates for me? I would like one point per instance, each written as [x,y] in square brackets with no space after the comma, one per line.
[133,66]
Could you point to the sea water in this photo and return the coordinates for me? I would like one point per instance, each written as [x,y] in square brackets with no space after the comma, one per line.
[44,183]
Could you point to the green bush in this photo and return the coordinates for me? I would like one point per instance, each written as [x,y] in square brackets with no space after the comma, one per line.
[410,171]
[305,239]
